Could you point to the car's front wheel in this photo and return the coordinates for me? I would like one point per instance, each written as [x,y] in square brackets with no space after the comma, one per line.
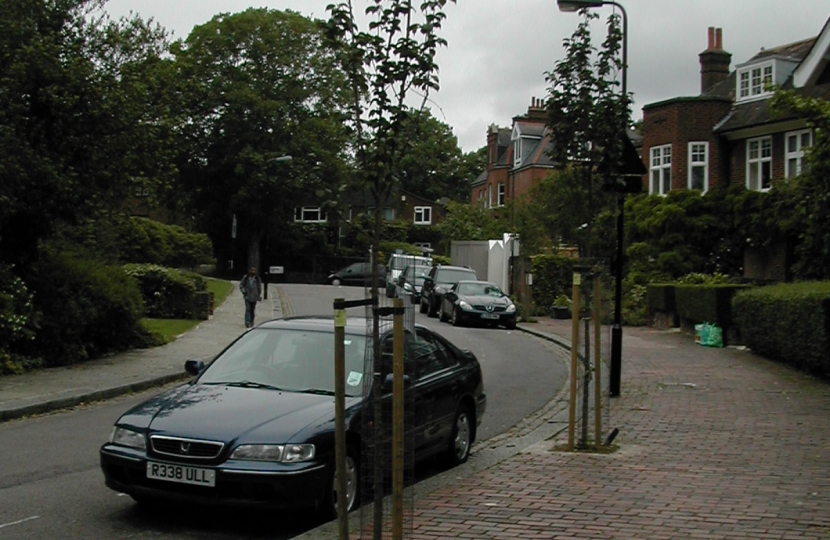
[442,316]
[335,282]
[352,483]
[462,436]
[456,318]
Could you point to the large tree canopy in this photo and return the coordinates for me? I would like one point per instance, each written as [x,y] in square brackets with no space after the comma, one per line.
[432,164]
[83,115]
[259,85]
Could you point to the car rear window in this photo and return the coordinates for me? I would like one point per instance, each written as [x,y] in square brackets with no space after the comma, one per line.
[453,275]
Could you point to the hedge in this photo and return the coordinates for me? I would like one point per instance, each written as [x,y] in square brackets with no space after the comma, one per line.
[143,240]
[552,276]
[168,293]
[660,297]
[87,309]
[789,323]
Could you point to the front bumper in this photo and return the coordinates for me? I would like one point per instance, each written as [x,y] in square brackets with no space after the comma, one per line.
[484,317]
[248,484]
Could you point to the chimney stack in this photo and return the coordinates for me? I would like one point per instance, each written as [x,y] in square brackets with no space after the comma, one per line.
[714,61]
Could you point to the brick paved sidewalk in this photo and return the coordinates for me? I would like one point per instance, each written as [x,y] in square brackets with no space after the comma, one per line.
[714,443]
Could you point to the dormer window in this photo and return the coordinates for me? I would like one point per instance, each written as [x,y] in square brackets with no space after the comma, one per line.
[754,80]
[517,152]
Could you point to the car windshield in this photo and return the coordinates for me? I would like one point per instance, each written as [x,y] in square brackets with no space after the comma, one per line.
[416,274]
[453,276]
[402,261]
[289,360]
[479,289]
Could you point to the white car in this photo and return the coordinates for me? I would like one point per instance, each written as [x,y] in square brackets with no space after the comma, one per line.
[396,263]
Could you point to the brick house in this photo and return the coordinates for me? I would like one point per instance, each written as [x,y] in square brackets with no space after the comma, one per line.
[517,158]
[727,135]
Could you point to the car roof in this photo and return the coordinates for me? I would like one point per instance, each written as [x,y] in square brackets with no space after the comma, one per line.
[490,283]
[450,267]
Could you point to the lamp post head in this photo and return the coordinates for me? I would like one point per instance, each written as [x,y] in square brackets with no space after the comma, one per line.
[575,5]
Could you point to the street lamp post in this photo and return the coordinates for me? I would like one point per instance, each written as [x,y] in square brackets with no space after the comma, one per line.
[267,222]
[616,329]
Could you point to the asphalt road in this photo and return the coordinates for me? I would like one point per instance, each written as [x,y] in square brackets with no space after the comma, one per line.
[51,485]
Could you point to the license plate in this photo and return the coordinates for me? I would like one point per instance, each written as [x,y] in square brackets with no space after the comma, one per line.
[489,316]
[181,474]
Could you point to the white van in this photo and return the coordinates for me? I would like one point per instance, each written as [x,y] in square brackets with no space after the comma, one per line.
[396,263]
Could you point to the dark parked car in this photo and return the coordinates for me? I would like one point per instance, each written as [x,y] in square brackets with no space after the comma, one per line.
[410,281]
[478,302]
[357,274]
[439,281]
[255,427]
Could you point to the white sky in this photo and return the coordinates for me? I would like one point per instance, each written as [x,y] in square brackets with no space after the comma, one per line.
[499,50]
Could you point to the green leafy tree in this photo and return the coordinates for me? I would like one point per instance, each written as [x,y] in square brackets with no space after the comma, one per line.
[388,63]
[259,85]
[84,118]
[587,115]
[432,164]
[809,219]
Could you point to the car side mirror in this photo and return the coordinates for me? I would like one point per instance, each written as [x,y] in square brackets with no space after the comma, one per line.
[194,367]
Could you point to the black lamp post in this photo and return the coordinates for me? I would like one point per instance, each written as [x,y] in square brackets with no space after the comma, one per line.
[616,329]
[267,236]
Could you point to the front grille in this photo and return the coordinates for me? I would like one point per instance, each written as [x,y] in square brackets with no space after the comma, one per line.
[185,448]
[496,309]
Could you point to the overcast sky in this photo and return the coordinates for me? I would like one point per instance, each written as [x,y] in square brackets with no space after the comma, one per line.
[499,50]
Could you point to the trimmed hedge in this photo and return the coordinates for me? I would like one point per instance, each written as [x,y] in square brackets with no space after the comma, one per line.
[789,323]
[552,276]
[168,293]
[706,303]
[660,297]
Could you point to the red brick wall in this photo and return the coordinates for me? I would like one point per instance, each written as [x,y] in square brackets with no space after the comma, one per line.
[677,123]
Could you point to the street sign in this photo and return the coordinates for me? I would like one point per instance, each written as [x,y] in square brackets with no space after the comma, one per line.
[276,270]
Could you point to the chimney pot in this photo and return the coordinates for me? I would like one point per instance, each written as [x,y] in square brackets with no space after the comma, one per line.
[718,39]
[711,38]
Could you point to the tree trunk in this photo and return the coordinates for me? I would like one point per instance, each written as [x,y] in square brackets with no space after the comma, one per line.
[254,242]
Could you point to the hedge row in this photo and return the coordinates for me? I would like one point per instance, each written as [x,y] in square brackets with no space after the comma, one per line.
[552,276]
[788,322]
[142,240]
[168,293]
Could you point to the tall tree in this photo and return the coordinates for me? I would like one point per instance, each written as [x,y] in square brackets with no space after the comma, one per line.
[259,85]
[385,65]
[587,116]
[432,164]
[83,117]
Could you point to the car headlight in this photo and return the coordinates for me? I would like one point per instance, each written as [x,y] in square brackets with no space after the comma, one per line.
[511,308]
[288,453]
[127,437]
[463,305]
[408,287]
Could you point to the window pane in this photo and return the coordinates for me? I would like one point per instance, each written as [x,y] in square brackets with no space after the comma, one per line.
[655,182]
[666,180]
[766,174]
[806,140]
[697,177]
[753,176]
[792,167]
[792,143]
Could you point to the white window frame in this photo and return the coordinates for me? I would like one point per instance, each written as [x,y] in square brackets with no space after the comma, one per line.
[501,193]
[796,157]
[660,169]
[489,195]
[423,215]
[306,214]
[759,158]
[517,152]
[699,159]
[752,81]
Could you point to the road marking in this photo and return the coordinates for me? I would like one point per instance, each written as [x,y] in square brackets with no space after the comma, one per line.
[18,522]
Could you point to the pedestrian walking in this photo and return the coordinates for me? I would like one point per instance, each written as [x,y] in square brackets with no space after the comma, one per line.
[251,287]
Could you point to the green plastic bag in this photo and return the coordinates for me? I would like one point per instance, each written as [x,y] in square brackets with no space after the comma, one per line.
[708,335]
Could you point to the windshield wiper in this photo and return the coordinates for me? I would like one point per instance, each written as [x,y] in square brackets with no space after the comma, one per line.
[251,384]
[318,391]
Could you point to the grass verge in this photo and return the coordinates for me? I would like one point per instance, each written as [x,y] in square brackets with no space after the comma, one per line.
[163,331]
